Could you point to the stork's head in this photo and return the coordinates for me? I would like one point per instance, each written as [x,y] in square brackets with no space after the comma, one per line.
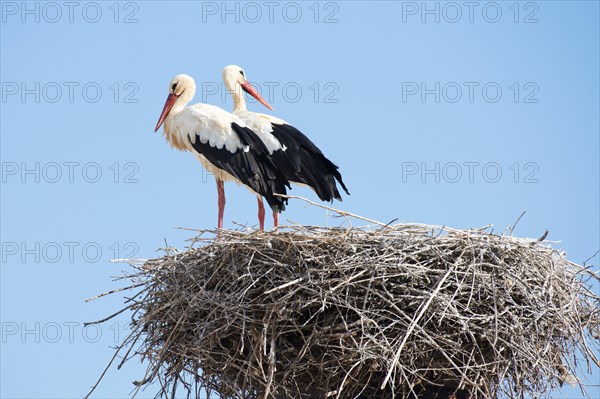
[235,77]
[181,90]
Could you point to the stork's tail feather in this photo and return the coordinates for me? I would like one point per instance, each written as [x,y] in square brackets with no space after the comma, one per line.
[334,171]
[320,174]
[303,162]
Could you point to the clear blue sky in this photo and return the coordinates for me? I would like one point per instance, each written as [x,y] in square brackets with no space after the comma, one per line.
[437,113]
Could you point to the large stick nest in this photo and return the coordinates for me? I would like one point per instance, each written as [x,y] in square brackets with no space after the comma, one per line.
[369,313]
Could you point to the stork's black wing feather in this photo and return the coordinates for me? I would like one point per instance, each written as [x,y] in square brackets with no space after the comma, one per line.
[251,165]
[303,162]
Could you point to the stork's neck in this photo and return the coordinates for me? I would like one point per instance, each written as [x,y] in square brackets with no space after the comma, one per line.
[239,102]
[176,109]
[178,106]
[184,98]
[172,125]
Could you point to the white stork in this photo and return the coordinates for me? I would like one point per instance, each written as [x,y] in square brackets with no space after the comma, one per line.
[300,160]
[223,143]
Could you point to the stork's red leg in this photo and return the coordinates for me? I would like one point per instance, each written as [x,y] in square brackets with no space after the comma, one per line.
[221,201]
[275,219]
[261,213]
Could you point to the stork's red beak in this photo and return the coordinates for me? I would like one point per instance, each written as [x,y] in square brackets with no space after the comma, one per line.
[247,87]
[166,109]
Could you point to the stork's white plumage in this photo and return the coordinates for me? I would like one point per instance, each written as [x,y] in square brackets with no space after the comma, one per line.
[300,160]
[223,143]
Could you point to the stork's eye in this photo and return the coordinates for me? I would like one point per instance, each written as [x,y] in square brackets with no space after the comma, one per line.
[242,73]
[174,86]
